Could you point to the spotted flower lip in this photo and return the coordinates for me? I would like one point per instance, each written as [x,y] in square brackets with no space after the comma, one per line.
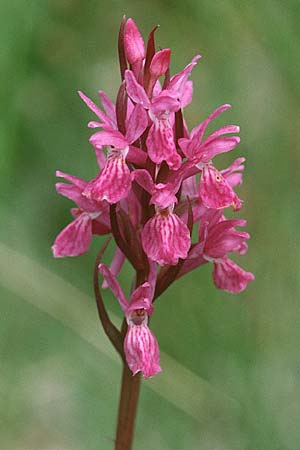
[215,191]
[165,237]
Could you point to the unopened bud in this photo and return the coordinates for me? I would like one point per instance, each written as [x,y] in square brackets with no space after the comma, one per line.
[133,41]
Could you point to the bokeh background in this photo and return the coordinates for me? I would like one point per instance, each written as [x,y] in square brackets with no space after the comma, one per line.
[231,377]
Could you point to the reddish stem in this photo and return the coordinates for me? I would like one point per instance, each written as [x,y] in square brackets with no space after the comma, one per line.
[128,403]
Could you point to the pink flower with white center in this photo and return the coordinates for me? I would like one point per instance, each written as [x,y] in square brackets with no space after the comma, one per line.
[90,218]
[165,237]
[160,141]
[114,182]
[215,191]
[140,345]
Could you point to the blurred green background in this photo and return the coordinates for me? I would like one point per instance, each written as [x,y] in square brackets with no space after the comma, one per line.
[231,377]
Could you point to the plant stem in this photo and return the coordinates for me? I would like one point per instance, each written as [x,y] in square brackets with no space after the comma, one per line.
[110,330]
[129,396]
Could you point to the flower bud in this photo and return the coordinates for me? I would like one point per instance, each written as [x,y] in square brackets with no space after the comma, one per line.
[133,41]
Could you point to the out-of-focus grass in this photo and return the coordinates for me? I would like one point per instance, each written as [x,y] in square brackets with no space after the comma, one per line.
[57,391]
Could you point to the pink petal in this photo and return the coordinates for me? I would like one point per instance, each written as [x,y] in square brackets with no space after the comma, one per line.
[109,107]
[114,286]
[160,62]
[207,151]
[165,239]
[221,131]
[133,41]
[200,129]
[116,265]
[141,299]
[138,122]
[111,138]
[79,182]
[75,239]
[164,103]
[113,183]
[194,144]
[215,191]
[187,95]
[177,82]
[228,276]
[135,91]
[163,196]
[143,178]
[188,146]
[75,194]
[233,173]
[141,350]
[93,107]
[136,156]
[161,145]
[223,239]
[94,124]
[189,187]
[156,89]
[101,158]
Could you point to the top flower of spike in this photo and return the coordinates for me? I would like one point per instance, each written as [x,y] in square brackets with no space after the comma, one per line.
[156,180]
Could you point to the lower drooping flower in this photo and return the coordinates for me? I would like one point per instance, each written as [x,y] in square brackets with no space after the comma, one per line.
[165,238]
[140,345]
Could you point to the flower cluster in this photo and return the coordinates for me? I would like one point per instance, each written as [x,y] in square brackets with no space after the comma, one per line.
[156,183]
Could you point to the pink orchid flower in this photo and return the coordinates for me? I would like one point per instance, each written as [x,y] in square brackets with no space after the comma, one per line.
[140,345]
[113,183]
[160,141]
[165,237]
[90,218]
[215,191]
[217,238]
